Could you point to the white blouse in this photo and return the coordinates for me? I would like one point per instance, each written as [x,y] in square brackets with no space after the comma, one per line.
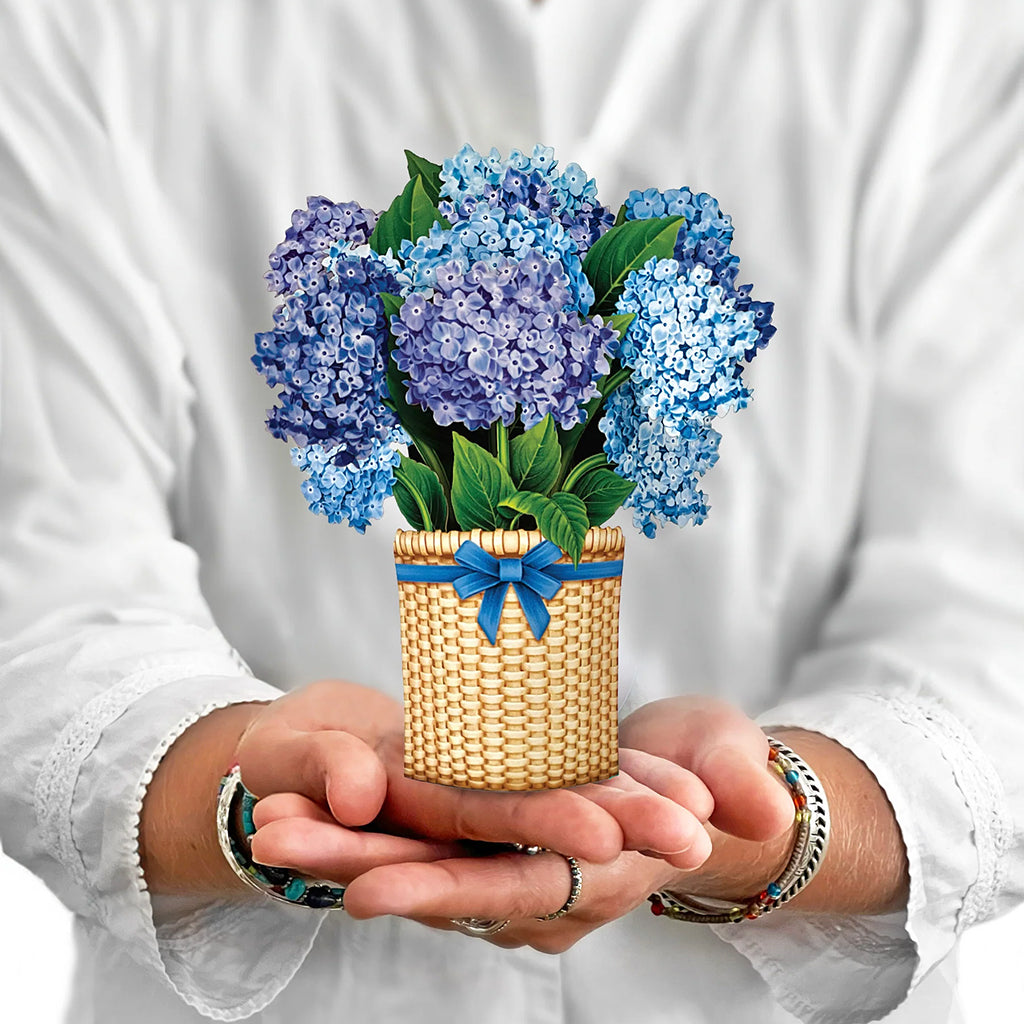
[861,573]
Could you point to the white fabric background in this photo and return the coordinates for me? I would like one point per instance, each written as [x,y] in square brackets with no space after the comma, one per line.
[830,283]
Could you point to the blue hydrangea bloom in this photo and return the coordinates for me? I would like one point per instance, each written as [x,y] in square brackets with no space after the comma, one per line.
[345,489]
[533,182]
[309,239]
[686,347]
[665,465]
[491,234]
[328,350]
[498,335]
[705,240]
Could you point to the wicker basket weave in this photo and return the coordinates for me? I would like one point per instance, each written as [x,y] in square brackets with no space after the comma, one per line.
[524,713]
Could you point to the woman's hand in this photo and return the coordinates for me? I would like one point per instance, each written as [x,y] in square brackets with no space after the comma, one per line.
[490,886]
[340,746]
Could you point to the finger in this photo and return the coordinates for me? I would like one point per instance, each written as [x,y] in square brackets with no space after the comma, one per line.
[332,768]
[328,850]
[499,887]
[288,805]
[727,750]
[652,822]
[559,819]
[750,803]
[669,779]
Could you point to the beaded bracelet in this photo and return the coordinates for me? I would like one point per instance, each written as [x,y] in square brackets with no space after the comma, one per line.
[812,821]
[233,801]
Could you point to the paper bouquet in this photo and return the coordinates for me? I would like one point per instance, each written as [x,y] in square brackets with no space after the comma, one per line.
[512,364]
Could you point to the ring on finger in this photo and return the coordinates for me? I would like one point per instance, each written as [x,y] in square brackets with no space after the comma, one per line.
[575,875]
[481,926]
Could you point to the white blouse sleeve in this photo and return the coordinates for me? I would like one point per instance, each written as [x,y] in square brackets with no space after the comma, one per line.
[919,668]
[107,648]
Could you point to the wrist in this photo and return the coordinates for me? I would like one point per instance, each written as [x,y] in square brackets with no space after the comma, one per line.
[178,845]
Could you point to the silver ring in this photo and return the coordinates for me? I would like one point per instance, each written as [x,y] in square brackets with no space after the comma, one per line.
[575,888]
[478,925]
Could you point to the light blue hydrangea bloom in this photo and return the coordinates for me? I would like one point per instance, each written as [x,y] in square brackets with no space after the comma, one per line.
[352,492]
[686,348]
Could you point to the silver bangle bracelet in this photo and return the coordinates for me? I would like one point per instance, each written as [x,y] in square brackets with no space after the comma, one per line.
[809,847]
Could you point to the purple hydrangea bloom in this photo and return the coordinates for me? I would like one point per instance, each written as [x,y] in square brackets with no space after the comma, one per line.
[686,347]
[499,335]
[309,239]
[706,240]
[328,353]
[345,489]
[533,182]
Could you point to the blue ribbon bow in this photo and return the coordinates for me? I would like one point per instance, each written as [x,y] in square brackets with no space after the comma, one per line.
[535,577]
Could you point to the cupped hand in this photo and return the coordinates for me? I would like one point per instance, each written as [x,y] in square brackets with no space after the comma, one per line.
[726,750]
[340,746]
[494,886]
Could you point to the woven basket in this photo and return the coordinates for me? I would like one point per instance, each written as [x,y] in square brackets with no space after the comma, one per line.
[524,713]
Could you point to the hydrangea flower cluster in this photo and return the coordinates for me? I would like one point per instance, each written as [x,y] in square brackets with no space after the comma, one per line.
[309,239]
[352,492]
[492,234]
[705,239]
[532,182]
[481,300]
[686,347]
[328,353]
[665,464]
[497,337]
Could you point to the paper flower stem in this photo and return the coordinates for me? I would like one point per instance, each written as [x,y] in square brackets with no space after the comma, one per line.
[499,436]
[592,462]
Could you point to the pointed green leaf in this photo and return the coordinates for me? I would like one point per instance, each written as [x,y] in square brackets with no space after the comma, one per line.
[419,495]
[428,171]
[620,251]
[479,485]
[619,323]
[535,457]
[393,303]
[602,492]
[410,216]
[620,217]
[562,518]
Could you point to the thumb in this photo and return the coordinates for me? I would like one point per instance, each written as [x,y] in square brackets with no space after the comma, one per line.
[750,802]
[729,753]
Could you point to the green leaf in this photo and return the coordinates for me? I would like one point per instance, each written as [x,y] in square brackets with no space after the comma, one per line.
[393,303]
[602,492]
[620,217]
[619,322]
[479,485]
[620,251]
[535,457]
[562,518]
[411,216]
[428,171]
[419,495]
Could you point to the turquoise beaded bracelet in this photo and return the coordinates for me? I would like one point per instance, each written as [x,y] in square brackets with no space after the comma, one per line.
[234,801]
[812,832]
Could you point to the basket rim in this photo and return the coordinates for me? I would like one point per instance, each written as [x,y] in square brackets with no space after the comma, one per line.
[601,543]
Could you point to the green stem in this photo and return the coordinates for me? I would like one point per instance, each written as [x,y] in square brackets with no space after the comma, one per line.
[499,438]
[569,441]
[431,458]
[428,523]
[592,462]
[606,385]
